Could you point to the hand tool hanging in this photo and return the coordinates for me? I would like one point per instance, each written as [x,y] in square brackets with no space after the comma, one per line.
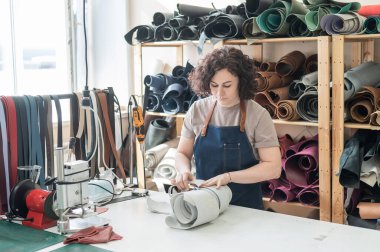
[136,131]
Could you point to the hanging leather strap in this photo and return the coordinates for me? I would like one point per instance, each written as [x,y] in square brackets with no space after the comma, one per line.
[10,111]
[4,166]
[103,103]
[22,131]
[243,112]
[59,123]
[49,136]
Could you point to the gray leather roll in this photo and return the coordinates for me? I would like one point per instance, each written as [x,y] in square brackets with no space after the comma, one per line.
[253,8]
[310,79]
[251,30]
[139,34]
[307,105]
[225,26]
[297,26]
[160,18]
[188,33]
[357,77]
[180,71]
[172,105]
[193,11]
[347,23]
[296,89]
[174,90]
[180,21]
[165,32]
[158,132]
[154,103]
[158,82]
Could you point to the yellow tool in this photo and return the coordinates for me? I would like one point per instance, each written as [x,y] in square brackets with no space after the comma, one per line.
[138,123]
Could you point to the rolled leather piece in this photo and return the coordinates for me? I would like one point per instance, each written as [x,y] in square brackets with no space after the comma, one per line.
[165,32]
[363,104]
[372,25]
[183,81]
[297,26]
[374,149]
[350,163]
[283,194]
[241,10]
[285,142]
[369,210]
[268,80]
[158,82]
[197,207]
[139,34]
[172,105]
[278,94]
[174,90]
[154,155]
[315,14]
[225,26]
[180,71]
[310,79]
[347,23]
[158,132]
[264,99]
[375,118]
[296,89]
[251,30]
[343,7]
[311,63]
[180,21]
[309,196]
[268,187]
[193,11]
[363,75]
[253,8]
[290,63]
[370,171]
[166,167]
[268,66]
[160,18]
[286,110]
[302,177]
[307,104]
[154,103]
[306,143]
[188,33]
[273,20]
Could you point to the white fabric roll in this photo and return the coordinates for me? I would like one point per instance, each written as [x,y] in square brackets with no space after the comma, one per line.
[154,155]
[166,168]
[370,171]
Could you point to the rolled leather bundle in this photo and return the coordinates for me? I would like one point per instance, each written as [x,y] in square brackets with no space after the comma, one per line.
[347,23]
[264,99]
[165,32]
[166,168]
[154,155]
[372,25]
[180,21]
[296,89]
[144,33]
[297,26]
[180,71]
[307,104]
[158,131]
[188,33]
[278,94]
[174,90]
[290,63]
[311,64]
[369,210]
[299,167]
[286,110]
[172,105]
[254,8]
[285,142]
[197,207]
[193,11]
[283,194]
[375,118]
[160,18]
[251,30]
[268,187]
[363,104]
[154,103]
[268,66]
[306,143]
[309,195]
[225,26]
[310,79]
[268,80]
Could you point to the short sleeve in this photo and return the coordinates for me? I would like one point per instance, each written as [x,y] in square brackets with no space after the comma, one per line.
[187,126]
[265,134]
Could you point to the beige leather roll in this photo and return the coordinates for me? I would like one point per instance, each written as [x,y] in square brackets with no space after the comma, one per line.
[368,210]
[286,110]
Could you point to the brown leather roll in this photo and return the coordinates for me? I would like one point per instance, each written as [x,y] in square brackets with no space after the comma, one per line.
[363,104]
[375,118]
[264,99]
[279,94]
[268,80]
[290,63]
[368,210]
[286,110]
[311,64]
[268,66]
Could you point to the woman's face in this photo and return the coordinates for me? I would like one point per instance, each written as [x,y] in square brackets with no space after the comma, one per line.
[224,87]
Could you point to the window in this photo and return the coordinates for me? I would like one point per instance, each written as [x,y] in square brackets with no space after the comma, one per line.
[33,48]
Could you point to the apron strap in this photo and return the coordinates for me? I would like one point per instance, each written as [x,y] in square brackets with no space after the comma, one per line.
[243,111]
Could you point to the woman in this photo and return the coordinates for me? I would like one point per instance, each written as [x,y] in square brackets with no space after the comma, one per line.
[233,138]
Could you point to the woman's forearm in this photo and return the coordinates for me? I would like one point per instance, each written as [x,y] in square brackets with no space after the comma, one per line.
[261,172]
[182,163]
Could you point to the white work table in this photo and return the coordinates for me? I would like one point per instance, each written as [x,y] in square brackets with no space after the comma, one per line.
[237,229]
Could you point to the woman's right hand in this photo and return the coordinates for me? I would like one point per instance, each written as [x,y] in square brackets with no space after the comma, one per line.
[182,181]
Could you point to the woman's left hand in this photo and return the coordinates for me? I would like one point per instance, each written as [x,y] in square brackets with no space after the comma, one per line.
[218,181]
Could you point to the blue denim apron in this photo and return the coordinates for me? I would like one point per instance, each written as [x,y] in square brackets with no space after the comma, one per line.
[219,150]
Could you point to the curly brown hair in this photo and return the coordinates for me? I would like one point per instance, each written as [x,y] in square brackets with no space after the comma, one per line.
[232,59]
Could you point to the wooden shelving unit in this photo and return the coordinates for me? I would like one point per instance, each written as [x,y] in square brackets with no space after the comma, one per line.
[323,212]
[362,48]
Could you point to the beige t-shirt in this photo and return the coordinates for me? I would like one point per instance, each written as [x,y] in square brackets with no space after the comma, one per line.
[259,126]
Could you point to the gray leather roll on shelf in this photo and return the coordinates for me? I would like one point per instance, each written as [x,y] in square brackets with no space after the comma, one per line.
[296,89]
[174,90]
[310,79]
[188,33]
[154,103]
[251,30]
[193,11]
[225,26]
[297,26]
[172,105]
[363,75]
[307,104]
[165,32]
[347,23]
[160,18]
[180,21]
[154,155]
[144,33]
[166,167]
[158,132]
